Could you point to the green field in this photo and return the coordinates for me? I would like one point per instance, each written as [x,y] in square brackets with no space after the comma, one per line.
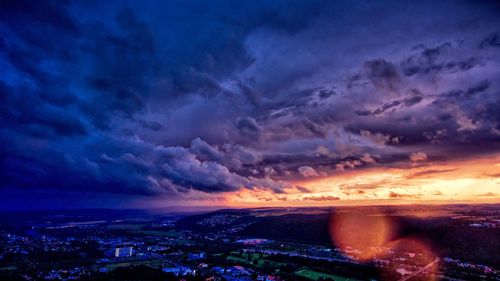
[126,226]
[260,263]
[10,267]
[237,259]
[150,263]
[137,229]
[315,275]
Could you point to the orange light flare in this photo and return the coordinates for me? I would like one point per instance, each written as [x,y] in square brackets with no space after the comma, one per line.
[412,259]
[363,235]
[371,235]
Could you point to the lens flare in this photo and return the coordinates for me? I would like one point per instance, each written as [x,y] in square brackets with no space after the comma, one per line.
[361,236]
[413,260]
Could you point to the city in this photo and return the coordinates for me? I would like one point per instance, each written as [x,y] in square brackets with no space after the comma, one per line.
[245,244]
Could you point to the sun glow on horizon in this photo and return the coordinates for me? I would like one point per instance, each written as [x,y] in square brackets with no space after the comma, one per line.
[467,181]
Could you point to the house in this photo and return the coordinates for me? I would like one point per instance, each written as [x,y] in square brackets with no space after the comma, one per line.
[196,256]
[239,270]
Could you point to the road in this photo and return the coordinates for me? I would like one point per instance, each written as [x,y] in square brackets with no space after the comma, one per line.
[423,269]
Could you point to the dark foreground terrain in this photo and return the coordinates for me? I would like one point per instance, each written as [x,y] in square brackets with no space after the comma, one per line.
[451,242]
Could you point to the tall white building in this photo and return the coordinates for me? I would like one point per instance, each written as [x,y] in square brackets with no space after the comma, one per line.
[123,252]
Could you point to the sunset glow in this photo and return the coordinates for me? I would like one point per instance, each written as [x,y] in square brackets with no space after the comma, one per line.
[466,181]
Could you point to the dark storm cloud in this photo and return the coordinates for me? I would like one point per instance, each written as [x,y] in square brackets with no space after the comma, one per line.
[493,40]
[478,88]
[406,102]
[381,73]
[169,98]
[249,127]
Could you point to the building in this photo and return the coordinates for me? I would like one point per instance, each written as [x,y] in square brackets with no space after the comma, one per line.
[267,278]
[196,256]
[123,252]
[179,270]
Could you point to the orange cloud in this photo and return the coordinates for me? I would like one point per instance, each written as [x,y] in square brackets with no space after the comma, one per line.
[466,181]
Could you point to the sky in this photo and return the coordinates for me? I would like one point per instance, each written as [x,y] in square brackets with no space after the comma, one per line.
[154,104]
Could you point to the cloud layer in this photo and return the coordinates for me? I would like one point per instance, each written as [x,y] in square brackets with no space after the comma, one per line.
[176,99]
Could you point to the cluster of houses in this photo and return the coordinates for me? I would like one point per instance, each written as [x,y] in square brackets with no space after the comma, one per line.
[231,273]
[482,268]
